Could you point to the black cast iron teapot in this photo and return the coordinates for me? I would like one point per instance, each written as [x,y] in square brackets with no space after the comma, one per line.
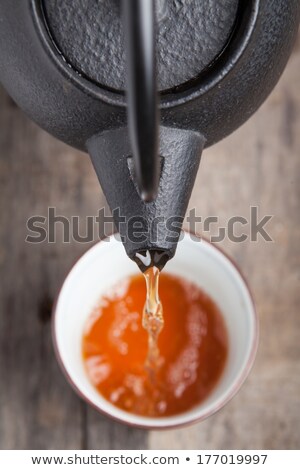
[193,71]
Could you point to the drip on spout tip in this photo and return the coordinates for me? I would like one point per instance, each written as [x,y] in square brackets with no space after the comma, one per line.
[146,259]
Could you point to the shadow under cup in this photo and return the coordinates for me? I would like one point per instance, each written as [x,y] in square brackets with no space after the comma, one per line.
[196,260]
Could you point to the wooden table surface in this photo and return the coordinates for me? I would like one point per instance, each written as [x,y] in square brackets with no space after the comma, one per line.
[257,166]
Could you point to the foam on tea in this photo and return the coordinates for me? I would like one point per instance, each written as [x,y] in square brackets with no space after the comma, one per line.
[171,369]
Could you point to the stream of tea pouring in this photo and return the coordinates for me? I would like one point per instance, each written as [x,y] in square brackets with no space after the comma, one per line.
[153,320]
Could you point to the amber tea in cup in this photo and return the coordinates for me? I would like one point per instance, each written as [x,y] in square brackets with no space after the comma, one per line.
[165,363]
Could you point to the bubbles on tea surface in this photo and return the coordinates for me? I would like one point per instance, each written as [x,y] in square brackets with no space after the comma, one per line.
[118,291]
[98,369]
[116,394]
[94,317]
[124,320]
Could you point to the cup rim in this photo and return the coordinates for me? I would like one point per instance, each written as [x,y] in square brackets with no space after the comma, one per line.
[197,419]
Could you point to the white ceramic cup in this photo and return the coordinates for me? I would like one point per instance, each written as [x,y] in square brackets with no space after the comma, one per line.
[198,261]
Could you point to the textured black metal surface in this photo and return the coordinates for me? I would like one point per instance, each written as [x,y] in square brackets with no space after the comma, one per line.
[67,106]
[180,152]
[190,34]
[141,92]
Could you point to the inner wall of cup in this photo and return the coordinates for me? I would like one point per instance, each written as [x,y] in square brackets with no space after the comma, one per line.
[207,267]
[198,261]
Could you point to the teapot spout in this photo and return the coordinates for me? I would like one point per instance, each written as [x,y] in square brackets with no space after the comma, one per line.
[149,231]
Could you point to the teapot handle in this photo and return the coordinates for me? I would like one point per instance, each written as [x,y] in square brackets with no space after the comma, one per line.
[142,96]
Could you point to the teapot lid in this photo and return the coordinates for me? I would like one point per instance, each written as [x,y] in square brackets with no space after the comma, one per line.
[190,36]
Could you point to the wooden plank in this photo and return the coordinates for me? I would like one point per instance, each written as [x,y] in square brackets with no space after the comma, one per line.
[38,409]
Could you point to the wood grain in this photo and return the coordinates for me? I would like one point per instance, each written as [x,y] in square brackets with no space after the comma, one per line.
[257,166]
[38,409]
